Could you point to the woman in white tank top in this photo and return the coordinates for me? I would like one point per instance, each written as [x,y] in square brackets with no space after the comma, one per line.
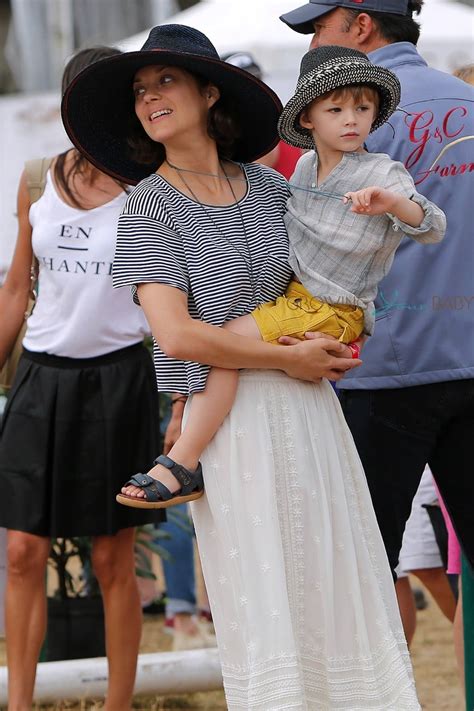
[82,412]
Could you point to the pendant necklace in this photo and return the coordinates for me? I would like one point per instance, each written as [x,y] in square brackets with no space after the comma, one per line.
[313,189]
[247,259]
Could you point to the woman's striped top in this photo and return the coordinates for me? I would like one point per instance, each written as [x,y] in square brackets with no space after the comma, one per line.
[225,269]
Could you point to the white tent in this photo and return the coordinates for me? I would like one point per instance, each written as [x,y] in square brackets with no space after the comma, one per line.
[250,25]
[447,34]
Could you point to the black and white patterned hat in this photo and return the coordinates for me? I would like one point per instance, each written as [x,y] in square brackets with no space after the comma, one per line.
[328,68]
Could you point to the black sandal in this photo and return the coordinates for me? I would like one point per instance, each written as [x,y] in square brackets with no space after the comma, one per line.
[158,496]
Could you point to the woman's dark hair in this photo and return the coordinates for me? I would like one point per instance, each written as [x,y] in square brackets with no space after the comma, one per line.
[79,164]
[393,28]
[222,126]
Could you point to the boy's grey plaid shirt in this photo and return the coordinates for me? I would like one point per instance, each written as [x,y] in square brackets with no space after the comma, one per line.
[338,255]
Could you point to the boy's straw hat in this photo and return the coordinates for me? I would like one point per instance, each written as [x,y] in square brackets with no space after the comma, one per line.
[325,69]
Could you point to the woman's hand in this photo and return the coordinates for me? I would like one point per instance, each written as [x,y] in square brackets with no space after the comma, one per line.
[319,356]
[184,338]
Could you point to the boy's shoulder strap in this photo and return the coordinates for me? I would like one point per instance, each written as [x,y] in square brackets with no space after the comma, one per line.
[35,171]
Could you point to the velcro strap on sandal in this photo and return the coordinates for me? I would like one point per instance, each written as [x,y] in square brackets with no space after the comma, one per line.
[154,490]
[183,475]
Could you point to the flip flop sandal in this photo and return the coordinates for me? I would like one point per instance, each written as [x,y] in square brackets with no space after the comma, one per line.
[158,496]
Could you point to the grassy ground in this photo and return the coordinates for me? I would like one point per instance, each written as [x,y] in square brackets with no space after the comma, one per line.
[433,659]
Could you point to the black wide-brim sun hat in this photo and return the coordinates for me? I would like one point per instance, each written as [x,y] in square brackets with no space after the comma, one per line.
[325,69]
[98,106]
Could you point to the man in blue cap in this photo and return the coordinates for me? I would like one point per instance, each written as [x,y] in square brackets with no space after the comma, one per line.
[412,400]
[305,19]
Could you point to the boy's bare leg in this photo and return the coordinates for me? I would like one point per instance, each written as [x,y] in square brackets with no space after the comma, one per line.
[208,411]
[210,407]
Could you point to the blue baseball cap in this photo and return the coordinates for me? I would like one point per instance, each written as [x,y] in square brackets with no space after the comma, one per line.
[301,20]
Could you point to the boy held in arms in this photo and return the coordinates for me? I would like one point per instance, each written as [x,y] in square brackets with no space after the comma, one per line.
[347,214]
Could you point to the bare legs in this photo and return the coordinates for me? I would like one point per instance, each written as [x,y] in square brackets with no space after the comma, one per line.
[406,603]
[436,581]
[25,613]
[114,565]
[208,411]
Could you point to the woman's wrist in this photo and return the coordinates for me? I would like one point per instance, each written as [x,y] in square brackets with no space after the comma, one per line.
[177,404]
[279,358]
[178,399]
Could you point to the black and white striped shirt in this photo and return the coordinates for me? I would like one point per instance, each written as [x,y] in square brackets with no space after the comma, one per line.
[226,271]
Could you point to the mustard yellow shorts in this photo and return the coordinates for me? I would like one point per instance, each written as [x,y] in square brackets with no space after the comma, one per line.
[297,311]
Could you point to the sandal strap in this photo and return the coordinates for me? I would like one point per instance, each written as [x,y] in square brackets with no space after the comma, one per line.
[154,490]
[140,480]
[185,477]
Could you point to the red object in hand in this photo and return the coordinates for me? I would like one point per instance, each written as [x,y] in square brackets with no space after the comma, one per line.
[355,348]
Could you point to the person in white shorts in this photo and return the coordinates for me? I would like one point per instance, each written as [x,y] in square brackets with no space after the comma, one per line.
[420,556]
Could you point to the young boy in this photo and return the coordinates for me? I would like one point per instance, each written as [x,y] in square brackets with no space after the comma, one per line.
[346,217]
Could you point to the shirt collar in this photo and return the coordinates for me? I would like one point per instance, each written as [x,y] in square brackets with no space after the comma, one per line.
[393,55]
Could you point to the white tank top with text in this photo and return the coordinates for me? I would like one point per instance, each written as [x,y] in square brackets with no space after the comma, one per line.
[78,314]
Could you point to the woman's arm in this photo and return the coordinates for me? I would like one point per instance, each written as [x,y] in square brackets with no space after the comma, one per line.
[184,338]
[15,291]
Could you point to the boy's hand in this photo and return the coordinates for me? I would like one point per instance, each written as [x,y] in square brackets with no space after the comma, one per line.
[372,200]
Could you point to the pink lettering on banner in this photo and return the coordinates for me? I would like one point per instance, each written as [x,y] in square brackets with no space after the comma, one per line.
[421,130]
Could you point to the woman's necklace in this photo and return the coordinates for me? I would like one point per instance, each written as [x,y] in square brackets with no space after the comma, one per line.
[247,258]
[312,189]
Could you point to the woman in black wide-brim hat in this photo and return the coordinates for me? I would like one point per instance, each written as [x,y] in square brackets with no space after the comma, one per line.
[301,594]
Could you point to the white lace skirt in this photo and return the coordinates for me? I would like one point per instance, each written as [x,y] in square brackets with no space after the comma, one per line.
[299,584]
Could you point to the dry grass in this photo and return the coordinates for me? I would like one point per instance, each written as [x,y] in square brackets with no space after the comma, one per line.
[433,659]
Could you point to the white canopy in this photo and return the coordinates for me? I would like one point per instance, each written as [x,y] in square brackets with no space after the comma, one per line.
[447,33]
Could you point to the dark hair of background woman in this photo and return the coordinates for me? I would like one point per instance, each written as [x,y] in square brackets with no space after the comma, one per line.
[79,165]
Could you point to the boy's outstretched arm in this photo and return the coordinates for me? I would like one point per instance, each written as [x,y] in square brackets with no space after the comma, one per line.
[376,201]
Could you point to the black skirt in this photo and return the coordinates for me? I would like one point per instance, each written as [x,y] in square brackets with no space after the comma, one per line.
[73,431]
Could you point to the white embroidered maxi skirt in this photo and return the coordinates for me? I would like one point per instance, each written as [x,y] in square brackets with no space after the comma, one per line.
[299,584]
